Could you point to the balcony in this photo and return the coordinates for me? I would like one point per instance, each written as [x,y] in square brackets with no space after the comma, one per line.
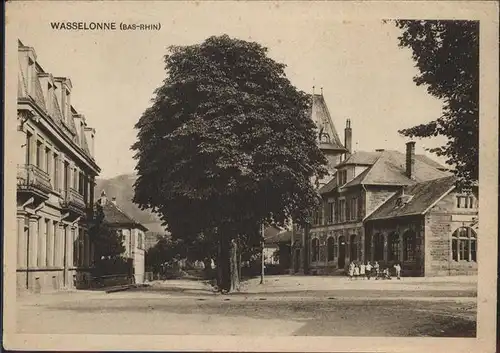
[73,202]
[33,181]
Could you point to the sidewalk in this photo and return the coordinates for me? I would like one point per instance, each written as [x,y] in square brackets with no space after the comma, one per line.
[287,283]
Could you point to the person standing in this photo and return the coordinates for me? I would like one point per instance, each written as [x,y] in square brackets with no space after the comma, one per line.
[397,267]
[356,271]
[368,269]
[376,267]
[351,270]
[362,270]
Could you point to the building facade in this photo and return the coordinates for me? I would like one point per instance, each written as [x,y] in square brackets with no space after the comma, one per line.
[133,235]
[389,207]
[56,174]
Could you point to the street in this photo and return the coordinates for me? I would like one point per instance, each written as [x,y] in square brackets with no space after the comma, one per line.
[283,306]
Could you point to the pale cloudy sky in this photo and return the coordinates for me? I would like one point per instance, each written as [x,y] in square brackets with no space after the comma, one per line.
[364,75]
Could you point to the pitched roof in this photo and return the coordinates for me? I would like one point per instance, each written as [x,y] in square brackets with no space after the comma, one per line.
[331,185]
[417,199]
[279,237]
[430,161]
[113,215]
[323,121]
[390,167]
[361,158]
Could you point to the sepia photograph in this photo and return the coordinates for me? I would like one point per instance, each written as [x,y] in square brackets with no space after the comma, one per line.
[248,176]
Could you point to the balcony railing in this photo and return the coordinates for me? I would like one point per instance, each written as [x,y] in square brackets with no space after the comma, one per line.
[30,178]
[73,201]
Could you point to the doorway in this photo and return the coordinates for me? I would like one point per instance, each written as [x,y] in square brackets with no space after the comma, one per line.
[341,260]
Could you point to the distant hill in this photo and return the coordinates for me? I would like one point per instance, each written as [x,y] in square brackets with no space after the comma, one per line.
[122,187]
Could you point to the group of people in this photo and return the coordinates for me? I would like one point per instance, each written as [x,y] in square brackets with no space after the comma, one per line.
[366,271]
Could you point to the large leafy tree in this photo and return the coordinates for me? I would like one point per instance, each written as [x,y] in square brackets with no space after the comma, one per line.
[108,244]
[227,144]
[447,55]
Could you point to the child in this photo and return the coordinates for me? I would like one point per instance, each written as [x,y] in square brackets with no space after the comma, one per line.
[397,267]
[351,270]
[368,270]
[376,267]
[386,274]
[362,270]
[356,271]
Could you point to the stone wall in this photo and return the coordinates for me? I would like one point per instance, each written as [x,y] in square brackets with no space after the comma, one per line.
[440,223]
[376,196]
[401,225]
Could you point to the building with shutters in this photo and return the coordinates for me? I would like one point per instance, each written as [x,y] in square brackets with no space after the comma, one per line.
[55,180]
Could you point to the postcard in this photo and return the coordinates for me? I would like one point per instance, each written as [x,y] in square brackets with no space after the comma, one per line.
[251,176]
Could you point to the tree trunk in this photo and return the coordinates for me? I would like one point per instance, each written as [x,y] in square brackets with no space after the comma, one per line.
[223,265]
[235,280]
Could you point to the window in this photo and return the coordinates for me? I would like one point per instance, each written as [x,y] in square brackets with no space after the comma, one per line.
[81,183]
[320,216]
[75,179]
[368,247]
[355,247]
[55,251]
[55,177]
[140,240]
[409,245]
[330,248]
[463,244]
[331,212]
[67,110]
[465,201]
[394,246]
[48,156]
[354,208]
[39,154]
[315,217]
[29,138]
[342,177]
[66,176]
[342,210]
[315,249]
[378,247]
[335,247]
[29,76]
[76,253]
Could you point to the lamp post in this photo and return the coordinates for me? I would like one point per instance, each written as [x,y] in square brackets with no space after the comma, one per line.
[262,256]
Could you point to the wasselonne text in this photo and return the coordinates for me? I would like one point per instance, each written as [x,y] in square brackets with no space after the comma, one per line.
[104,26]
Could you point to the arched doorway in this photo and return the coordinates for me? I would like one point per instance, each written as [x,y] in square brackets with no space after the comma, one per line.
[409,245]
[341,260]
[354,241]
[330,248]
[378,247]
[394,247]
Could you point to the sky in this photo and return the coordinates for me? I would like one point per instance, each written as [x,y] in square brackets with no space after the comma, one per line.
[365,76]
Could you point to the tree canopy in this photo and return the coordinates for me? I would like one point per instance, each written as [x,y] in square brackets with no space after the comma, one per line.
[227,137]
[227,142]
[447,55]
[107,242]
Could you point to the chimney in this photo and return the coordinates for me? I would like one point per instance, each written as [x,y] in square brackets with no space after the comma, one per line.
[410,160]
[348,136]
[113,200]
[103,199]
